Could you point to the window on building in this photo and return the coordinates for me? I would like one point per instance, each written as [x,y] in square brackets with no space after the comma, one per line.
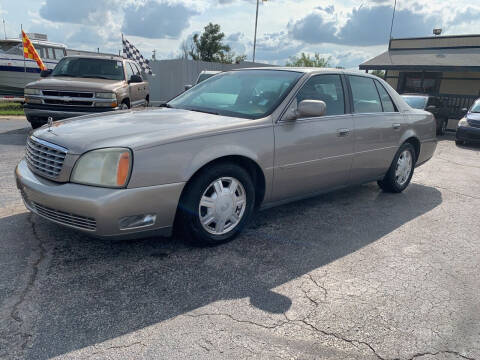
[58,53]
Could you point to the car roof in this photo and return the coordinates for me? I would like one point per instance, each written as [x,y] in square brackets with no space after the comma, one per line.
[310,70]
[210,72]
[101,57]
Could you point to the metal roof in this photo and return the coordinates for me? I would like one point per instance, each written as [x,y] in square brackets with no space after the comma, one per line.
[445,59]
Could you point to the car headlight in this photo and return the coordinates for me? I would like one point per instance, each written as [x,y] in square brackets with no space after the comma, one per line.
[463,122]
[108,167]
[106,95]
[28,91]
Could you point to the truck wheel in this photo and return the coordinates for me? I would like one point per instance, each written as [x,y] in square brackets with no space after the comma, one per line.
[35,123]
[216,205]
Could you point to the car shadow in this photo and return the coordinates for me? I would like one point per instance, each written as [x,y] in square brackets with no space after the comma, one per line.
[98,290]
[15,137]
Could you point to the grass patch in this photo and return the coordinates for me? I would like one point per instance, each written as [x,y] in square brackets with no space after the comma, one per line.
[11,108]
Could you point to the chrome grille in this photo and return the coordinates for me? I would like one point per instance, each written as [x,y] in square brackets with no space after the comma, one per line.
[77,221]
[72,94]
[44,158]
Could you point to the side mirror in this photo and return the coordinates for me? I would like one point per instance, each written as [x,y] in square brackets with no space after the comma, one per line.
[465,110]
[311,108]
[135,79]
[431,107]
[45,73]
[188,87]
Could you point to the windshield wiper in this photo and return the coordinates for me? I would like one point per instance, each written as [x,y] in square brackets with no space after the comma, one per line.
[203,111]
[167,105]
[67,75]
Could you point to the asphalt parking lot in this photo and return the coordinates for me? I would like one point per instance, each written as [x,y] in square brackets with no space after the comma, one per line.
[356,274]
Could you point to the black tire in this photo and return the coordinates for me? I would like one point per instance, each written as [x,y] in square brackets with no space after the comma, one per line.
[443,127]
[35,123]
[125,105]
[459,142]
[188,224]
[390,182]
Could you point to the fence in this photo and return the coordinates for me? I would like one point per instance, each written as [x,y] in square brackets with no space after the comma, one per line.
[455,104]
[171,76]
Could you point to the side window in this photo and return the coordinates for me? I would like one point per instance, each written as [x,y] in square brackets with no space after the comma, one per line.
[58,53]
[41,51]
[129,70]
[136,71]
[365,95]
[327,88]
[387,102]
[49,53]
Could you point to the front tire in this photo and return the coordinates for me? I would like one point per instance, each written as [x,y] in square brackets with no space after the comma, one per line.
[401,171]
[216,205]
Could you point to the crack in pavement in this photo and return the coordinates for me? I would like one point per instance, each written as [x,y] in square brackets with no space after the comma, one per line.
[14,314]
[354,342]
[126,346]
[456,353]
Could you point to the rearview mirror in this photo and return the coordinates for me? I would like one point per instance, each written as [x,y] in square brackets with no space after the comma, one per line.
[311,108]
[135,79]
[45,73]
[464,110]
[188,87]
[431,107]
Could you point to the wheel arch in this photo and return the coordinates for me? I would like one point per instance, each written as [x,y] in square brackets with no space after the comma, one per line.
[411,137]
[246,162]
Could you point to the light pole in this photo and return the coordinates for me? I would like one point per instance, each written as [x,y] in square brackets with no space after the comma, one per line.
[255,36]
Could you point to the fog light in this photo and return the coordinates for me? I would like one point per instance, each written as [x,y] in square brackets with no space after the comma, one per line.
[137,221]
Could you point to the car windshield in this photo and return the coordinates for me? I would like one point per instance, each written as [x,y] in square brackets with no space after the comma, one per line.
[90,68]
[250,94]
[475,107]
[416,102]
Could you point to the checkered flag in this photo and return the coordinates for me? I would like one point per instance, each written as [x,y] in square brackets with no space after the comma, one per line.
[132,53]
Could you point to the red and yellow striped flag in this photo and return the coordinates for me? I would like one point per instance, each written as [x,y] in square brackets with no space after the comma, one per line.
[30,53]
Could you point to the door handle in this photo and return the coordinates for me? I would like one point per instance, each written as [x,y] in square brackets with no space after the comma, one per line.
[396,126]
[343,132]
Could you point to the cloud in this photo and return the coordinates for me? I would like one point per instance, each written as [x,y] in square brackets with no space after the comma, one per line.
[371,25]
[469,14]
[314,28]
[157,19]
[365,26]
[82,12]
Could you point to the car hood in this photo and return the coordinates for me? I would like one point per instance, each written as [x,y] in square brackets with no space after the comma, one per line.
[473,116]
[136,129]
[76,84]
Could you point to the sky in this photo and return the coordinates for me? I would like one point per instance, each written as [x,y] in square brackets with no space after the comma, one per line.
[347,31]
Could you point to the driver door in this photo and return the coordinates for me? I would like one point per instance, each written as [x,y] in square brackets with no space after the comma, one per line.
[315,154]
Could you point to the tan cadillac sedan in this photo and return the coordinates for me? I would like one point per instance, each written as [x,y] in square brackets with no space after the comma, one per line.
[206,160]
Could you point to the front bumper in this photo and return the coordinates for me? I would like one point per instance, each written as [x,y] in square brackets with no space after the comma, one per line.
[42,112]
[468,133]
[96,210]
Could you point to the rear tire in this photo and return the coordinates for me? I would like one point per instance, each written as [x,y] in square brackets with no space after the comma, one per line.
[443,127]
[401,170]
[206,218]
[459,142]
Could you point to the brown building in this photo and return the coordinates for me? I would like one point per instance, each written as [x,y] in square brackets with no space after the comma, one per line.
[446,66]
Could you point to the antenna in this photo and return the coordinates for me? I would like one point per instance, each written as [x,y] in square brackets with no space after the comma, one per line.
[393,17]
[4,30]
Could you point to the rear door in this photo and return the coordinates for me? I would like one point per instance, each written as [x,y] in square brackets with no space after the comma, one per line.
[142,87]
[378,126]
[315,154]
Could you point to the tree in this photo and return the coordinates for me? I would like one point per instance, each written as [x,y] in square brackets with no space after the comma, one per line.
[379,73]
[209,46]
[305,60]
